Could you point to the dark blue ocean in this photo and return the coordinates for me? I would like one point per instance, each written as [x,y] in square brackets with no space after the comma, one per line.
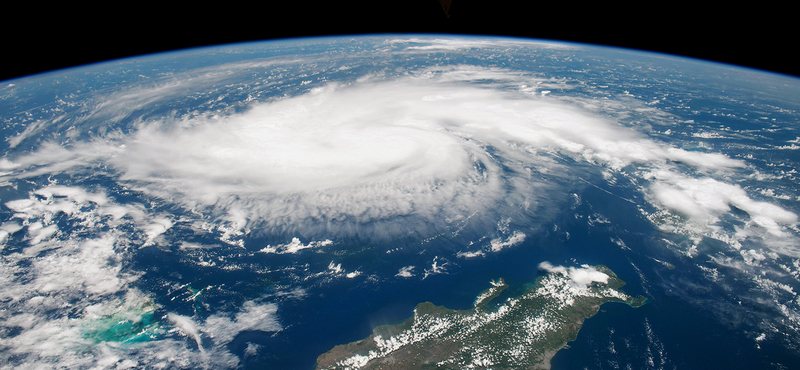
[329,312]
[693,319]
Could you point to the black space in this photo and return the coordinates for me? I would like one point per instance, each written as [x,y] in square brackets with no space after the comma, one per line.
[40,37]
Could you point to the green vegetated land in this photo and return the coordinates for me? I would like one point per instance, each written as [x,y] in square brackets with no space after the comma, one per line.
[524,332]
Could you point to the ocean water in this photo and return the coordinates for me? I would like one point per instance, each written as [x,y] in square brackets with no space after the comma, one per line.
[721,281]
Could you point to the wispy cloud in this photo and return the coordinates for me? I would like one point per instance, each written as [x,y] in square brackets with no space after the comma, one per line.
[67,288]
[380,158]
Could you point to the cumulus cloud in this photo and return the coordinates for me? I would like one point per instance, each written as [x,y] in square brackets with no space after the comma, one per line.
[251,317]
[435,148]
[471,254]
[385,158]
[437,267]
[705,198]
[499,244]
[82,268]
[406,272]
[703,201]
[295,246]
[57,268]
[579,277]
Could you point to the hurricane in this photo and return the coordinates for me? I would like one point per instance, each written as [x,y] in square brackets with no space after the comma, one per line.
[216,215]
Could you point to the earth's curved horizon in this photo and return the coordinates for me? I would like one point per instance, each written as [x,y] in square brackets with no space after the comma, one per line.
[257,205]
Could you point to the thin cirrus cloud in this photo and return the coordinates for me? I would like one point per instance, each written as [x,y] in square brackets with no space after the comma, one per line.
[83,268]
[386,157]
[376,157]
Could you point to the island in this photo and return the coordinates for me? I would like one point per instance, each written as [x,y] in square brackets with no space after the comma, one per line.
[524,332]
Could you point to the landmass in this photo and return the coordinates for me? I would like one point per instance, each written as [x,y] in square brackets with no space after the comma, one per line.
[524,332]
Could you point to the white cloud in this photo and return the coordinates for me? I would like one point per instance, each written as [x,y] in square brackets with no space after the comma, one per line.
[296,293]
[436,268]
[385,158]
[340,156]
[472,254]
[468,43]
[499,244]
[704,200]
[335,268]
[252,349]
[378,157]
[295,246]
[579,277]
[83,269]
[351,275]
[251,316]
[188,327]
[406,272]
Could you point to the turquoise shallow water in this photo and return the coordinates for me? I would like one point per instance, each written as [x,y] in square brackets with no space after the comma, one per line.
[146,209]
[129,328]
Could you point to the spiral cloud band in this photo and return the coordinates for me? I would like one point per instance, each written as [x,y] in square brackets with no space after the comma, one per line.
[417,153]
